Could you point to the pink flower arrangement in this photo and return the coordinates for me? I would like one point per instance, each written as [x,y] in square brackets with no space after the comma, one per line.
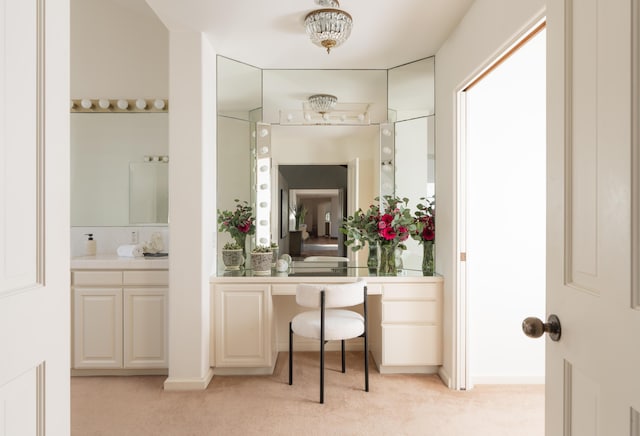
[425,222]
[239,222]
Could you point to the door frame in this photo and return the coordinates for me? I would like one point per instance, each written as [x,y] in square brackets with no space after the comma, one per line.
[460,378]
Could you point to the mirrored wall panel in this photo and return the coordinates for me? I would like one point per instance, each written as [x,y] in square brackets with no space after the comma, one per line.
[412,90]
[103,147]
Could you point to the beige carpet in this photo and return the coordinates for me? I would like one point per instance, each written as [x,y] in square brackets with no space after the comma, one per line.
[267,405]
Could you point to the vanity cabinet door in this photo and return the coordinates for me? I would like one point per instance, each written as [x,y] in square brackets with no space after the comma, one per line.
[145,327]
[242,325]
[97,328]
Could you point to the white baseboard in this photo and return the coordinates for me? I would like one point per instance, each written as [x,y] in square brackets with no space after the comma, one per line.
[445,377]
[188,384]
[507,380]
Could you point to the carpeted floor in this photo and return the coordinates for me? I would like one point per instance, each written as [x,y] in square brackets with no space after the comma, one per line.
[267,405]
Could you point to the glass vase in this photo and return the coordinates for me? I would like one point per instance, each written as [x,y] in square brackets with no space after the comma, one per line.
[428,263]
[372,260]
[241,241]
[388,265]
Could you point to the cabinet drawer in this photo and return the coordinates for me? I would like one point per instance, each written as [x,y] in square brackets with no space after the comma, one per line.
[411,312]
[97,278]
[401,291]
[146,278]
[411,345]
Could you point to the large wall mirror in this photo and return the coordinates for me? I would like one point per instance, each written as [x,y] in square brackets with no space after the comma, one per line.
[406,126]
[119,169]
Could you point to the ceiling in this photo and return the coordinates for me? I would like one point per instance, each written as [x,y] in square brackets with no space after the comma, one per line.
[271,35]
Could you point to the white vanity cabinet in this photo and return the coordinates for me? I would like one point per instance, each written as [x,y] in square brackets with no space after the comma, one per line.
[119,320]
[408,328]
[243,329]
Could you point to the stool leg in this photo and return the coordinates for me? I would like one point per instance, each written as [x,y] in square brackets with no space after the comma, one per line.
[290,354]
[343,359]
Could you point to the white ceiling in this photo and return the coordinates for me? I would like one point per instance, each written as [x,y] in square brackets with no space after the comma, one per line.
[270,34]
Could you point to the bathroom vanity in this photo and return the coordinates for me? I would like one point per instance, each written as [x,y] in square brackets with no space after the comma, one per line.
[119,310]
[251,316]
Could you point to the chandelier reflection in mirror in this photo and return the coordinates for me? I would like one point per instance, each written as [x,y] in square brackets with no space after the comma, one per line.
[328,27]
[322,103]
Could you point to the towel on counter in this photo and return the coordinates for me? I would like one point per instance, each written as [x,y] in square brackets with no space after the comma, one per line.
[130,251]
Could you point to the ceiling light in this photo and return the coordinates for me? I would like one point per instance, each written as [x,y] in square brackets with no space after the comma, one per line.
[322,103]
[328,27]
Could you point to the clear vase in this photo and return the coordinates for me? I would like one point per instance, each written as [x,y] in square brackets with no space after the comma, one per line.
[388,265]
[372,260]
[428,258]
[241,240]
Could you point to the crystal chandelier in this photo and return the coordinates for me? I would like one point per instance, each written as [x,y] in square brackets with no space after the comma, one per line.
[328,27]
[322,103]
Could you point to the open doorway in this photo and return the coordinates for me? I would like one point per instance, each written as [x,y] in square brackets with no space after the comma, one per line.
[502,215]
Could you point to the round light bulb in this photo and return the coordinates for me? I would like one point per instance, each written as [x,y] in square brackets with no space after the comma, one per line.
[264,186]
[361,117]
[86,103]
[289,117]
[104,103]
[158,104]
[165,159]
[386,150]
[263,240]
[264,132]
[264,222]
[263,168]
[263,204]
[141,104]
[386,132]
[264,149]
[307,117]
[122,104]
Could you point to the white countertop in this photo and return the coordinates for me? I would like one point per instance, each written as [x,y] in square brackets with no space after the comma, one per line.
[112,261]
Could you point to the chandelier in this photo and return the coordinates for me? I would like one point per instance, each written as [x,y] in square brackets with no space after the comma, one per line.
[322,103]
[328,27]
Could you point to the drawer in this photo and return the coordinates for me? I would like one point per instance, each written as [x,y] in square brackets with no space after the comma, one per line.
[146,278]
[411,345]
[411,312]
[413,291]
[283,289]
[97,278]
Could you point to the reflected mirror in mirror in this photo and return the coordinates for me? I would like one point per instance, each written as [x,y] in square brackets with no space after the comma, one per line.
[412,90]
[148,192]
[102,147]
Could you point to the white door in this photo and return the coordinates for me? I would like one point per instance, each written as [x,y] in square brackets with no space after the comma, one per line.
[34,217]
[593,381]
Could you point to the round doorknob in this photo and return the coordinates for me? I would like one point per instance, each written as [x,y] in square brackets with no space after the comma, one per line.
[534,327]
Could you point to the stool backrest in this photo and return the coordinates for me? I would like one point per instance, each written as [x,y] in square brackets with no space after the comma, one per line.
[335,295]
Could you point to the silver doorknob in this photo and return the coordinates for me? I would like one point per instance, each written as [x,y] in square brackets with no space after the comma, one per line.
[534,327]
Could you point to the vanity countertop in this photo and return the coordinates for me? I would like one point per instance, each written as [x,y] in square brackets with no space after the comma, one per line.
[112,261]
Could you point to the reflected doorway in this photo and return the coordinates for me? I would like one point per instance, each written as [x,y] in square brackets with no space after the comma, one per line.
[321,191]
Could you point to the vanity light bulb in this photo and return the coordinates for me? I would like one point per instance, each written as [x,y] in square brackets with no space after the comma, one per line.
[386,167]
[264,222]
[158,104]
[141,104]
[165,159]
[263,133]
[307,117]
[264,150]
[263,168]
[361,117]
[122,104]
[104,103]
[263,204]
[147,159]
[264,186]
[289,117]
[86,103]
[386,150]
[263,240]
[386,186]
[386,132]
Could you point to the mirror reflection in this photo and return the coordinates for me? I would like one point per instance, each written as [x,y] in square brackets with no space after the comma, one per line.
[399,135]
[148,192]
[103,145]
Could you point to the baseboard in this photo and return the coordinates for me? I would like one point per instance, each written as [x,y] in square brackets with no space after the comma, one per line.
[117,372]
[188,384]
[508,380]
[387,369]
[445,377]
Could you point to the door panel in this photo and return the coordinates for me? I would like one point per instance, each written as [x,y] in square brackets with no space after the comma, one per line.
[34,217]
[592,380]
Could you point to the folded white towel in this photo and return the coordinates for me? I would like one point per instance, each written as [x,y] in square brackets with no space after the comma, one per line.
[130,251]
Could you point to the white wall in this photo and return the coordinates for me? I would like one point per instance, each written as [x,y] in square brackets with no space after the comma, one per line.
[117,51]
[487,29]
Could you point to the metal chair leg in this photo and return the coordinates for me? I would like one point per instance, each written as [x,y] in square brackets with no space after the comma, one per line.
[322,347]
[343,359]
[290,355]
